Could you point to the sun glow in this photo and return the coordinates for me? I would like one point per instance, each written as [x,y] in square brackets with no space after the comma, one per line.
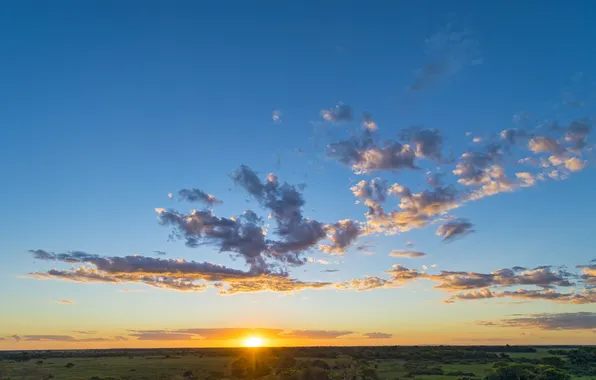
[254,341]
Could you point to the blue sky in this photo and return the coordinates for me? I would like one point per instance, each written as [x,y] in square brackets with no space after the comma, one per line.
[106,107]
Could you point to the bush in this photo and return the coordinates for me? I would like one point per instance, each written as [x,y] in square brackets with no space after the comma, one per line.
[460,373]
[321,364]
[69,365]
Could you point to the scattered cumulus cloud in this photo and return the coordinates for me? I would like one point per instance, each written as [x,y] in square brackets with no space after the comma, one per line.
[454,229]
[340,113]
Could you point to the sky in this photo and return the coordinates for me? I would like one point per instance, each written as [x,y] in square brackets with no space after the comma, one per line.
[183,174]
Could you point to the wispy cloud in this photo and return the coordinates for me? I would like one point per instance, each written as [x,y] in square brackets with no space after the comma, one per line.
[276,116]
[407,254]
[548,321]
[197,195]
[234,334]
[448,52]
[65,338]
[65,302]
[378,335]
[179,275]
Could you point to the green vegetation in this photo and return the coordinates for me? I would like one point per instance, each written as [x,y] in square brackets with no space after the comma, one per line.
[306,363]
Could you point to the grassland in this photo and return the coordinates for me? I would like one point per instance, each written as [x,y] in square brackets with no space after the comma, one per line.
[149,365]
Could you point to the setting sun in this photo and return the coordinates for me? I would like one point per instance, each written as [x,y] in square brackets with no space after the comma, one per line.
[254,341]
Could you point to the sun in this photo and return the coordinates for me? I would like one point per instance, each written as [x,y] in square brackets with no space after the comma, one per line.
[254,341]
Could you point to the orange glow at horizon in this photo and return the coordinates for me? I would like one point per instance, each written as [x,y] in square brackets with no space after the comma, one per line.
[254,341]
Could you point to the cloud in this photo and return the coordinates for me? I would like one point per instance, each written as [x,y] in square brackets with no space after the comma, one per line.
[234,334]
[544,277]
[243,235]
[276,116]
[196,195]
[316,334]
[577,133]
[415,209]
[85,332]
[274,284]
[179,275]
[428,143]
[390,157]
[586,297]
[269,251]
[472,166]
[126,290]
[341,235]
[512,135]
[53,338]
[65,302]
[162,336]
[284,201]
[449,51]
[340,113]
[64,338]
[330,270]
[203,334]
[542,144]
[318,261]
[368,122]
[588,273]
[368,283]
[575,164]
[548,321]
[374,190]
[364,155]
[142,266]
[408,254]
[400,273]
[161,253]
[378,335]
[455,229]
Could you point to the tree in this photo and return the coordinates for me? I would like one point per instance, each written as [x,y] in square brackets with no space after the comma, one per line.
[285,362]
[554,361]
[526,371]
[368,373]
[239,368]
[346,367]
[321,364]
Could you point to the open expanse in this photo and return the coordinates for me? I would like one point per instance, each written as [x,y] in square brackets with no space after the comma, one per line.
[297,190]
[318,363]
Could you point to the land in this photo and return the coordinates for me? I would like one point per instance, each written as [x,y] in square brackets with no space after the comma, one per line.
[307,363]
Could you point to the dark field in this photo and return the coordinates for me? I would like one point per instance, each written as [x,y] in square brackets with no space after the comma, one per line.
[317,363]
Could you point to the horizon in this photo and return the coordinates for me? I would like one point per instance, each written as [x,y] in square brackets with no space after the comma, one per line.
[282,347]
[398,175]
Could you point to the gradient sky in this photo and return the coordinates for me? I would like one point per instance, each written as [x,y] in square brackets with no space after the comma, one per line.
[107,107]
